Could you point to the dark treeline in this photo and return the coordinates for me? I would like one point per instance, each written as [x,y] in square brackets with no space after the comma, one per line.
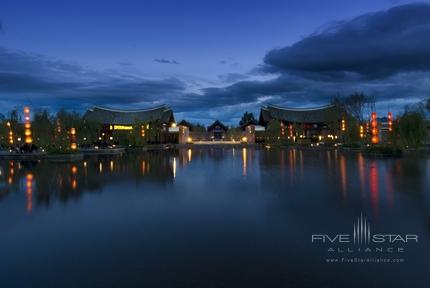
[50,132]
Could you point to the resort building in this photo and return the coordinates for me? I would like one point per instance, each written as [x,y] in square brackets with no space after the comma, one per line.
[217,131]
[147,125]
[303,125]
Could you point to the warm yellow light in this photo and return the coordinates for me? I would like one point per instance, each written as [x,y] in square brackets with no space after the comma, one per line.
[189,140]
[73,146]
[190,154]
[244,139]
[173,125]
[122,127]
[74,184]
[8,124]
[73,131]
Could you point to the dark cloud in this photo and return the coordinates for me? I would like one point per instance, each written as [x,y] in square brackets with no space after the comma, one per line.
[371,46]
[25,76]
[384,54]
[21,83]
[166,61]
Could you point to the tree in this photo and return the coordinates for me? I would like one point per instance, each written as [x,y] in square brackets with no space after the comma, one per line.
[358,105]
[412,129]
[247,118]
[428,104]
[43,129]
[63,121]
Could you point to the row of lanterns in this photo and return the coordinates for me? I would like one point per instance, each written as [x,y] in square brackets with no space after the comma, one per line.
[28,135]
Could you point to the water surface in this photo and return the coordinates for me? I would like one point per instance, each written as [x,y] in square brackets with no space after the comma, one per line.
[213,217]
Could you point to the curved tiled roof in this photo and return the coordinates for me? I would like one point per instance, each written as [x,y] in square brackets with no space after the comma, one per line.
[300,115]
[105,115]
[217,124]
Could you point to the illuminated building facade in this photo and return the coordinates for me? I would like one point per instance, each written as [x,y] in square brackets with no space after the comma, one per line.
[217,131]
[305,124]
[152,124]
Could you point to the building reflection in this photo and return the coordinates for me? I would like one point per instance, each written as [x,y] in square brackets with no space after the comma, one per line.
[353,177]
[343,176]
[190,155]
[244,161]
[174,167]
[29,191]
[47,182]
[374,187]
[361,174]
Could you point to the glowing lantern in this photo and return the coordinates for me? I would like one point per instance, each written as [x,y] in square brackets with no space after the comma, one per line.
[10,133]
[343,125]
[290,127]
[73,145]
[390,121]
[361,131]
[142,131]
[27,125]
[374,127]
[282,129]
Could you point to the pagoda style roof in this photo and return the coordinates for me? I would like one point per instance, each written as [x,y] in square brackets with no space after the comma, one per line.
[185,123]
[104,115]
[321,114]
[217,125]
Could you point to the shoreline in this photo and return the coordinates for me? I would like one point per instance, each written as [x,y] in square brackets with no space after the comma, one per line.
[82,153]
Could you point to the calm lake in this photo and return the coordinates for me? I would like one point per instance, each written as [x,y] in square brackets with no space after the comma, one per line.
[213,217]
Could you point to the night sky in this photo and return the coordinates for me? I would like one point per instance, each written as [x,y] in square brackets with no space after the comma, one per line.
[212,59]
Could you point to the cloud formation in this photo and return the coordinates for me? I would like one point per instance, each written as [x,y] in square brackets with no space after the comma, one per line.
[166,61]
[371,46]
[25,76]
[384,54]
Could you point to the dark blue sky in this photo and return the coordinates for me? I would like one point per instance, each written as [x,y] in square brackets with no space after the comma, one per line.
[211,59]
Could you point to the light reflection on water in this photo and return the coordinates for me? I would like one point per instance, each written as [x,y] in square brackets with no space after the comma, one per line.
[258,206]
